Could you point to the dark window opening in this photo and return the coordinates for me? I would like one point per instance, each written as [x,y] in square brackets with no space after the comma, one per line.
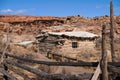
[74,44]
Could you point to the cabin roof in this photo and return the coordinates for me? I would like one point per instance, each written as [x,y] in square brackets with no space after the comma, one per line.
[78,34]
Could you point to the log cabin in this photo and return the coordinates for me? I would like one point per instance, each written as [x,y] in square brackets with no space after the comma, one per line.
[67,43]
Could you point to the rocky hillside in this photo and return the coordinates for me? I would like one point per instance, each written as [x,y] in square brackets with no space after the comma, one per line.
[94,24]
[35,24]
[28,24]
[18,18]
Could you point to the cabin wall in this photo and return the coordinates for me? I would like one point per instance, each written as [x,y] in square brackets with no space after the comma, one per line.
[84,46]
[47,44]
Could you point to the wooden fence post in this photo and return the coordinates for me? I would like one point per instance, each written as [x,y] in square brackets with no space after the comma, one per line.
[112,32]
[104,55]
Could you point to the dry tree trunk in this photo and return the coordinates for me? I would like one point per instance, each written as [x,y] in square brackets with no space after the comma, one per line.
[112,31]
[104,55]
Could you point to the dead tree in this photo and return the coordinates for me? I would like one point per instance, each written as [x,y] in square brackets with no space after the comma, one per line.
[104,55]
[112,32]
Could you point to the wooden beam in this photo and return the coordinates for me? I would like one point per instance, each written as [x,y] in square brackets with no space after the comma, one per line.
[96,73]
[103,64]
[50,76]
[59,55]
[7,74]
[50,63]
[112,31]
[114,69]
[18,72]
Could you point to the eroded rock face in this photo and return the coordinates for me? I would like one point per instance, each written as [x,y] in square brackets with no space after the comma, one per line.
[29,24]
[35,24]
[17,18]
[94,24]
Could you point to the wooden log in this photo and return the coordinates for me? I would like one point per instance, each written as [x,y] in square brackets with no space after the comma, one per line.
[114,69]
[115,72]
[50,76]
[50,63]
[7,74]
[37,72]
[112,31]
[59,55]
[104,55]
[18,72]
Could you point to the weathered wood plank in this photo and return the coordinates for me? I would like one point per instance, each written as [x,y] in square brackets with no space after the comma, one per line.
[7,74]
[112,31]
[96,73]
[114,69]
[103,63]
